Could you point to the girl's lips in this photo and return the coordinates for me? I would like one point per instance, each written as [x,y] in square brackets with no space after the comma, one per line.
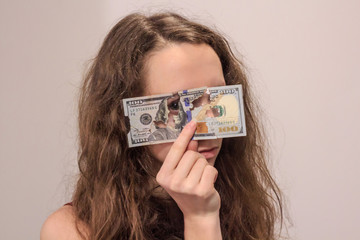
[209,153]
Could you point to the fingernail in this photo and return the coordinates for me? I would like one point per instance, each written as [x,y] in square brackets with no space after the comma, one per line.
[192,124]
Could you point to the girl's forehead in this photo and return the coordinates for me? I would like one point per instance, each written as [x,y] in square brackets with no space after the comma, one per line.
[182,66]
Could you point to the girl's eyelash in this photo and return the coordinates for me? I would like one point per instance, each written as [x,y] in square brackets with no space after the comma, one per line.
[171,105]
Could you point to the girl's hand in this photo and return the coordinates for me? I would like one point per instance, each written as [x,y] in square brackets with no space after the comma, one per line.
[189,179]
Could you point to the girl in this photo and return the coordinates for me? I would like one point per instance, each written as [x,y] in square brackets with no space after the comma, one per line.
[209,189]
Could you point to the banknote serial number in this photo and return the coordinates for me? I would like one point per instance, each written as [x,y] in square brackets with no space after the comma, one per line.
[142,109]
[222,123]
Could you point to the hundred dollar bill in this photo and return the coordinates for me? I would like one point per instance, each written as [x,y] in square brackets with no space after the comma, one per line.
[219,112]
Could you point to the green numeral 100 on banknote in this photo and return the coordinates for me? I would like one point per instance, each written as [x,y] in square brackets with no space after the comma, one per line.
[228,129]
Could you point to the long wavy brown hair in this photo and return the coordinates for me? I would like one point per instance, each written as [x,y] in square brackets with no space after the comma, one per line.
[115,197]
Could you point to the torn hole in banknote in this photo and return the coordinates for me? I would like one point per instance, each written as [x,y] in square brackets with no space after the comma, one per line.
[219,113]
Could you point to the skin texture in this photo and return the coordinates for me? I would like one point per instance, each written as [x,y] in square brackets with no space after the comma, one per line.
[60,225]
[187,173]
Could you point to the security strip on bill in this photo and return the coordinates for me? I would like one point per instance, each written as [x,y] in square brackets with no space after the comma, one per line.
[219,112]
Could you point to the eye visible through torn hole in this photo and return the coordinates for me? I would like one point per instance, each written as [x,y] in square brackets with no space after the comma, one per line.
[169,120]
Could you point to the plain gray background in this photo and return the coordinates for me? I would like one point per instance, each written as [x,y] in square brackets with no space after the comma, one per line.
[303,57]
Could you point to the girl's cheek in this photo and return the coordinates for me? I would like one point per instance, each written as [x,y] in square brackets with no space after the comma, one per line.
[159,151]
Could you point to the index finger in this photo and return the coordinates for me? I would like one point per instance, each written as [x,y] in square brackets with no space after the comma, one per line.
[179,147]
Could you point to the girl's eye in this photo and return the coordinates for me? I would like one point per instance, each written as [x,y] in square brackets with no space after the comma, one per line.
[174,105]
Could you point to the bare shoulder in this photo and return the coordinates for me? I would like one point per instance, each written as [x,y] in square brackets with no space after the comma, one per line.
[60,225]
